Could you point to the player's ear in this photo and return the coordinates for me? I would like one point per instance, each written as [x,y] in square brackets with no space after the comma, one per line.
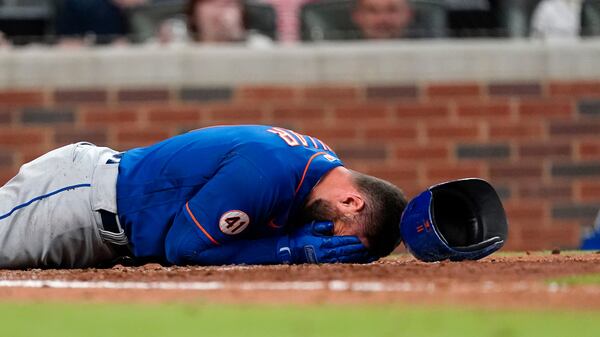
[352,202]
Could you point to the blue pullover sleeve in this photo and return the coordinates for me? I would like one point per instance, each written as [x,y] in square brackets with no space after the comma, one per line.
[244,251]
[214,227]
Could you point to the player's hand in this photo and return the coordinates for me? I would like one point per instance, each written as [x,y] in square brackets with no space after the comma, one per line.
[313,243]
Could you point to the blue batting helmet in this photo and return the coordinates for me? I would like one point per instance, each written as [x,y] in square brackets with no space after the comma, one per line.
[457,220]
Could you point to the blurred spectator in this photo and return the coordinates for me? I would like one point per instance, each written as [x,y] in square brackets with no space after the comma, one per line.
[557,19]
[101,21]
[382,19]
[3,41]
[172,31]
[25,21]
[217,21]
[288,13]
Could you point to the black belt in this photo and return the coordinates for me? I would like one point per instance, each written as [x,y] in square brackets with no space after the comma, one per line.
[115,159]
[109,221]
[110,224]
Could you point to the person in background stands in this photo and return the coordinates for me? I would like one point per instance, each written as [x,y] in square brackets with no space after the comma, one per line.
[554,19]
[81,22]
[3,41]
[382,19]
[288,14]
[221,21]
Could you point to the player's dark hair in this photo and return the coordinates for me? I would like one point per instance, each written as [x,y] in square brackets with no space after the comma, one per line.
[384,204]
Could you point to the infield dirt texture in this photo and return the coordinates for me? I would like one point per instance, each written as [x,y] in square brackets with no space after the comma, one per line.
[507,281]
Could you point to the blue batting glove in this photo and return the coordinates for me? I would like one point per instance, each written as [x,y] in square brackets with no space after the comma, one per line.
[314,243]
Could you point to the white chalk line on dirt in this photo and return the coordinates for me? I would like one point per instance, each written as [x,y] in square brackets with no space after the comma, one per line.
[335,286]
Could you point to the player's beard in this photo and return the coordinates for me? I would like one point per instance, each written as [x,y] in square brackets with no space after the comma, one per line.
[321,210]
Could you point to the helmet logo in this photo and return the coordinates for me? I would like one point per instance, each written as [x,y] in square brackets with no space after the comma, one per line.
[425,226]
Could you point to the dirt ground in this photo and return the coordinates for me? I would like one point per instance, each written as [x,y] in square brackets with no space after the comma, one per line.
[519,281]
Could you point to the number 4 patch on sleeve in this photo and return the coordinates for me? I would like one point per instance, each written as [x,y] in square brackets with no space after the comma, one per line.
[233,222]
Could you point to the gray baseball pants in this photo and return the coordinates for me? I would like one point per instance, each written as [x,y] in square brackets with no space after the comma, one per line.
[48,211]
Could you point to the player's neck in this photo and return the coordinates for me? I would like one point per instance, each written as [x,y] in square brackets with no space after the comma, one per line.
[335,182]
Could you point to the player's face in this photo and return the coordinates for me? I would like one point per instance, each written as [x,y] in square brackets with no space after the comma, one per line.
[382,19]
[323,210]
[335,198]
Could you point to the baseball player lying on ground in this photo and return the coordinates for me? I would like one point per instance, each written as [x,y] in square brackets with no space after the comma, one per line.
[232,195]
[219,195]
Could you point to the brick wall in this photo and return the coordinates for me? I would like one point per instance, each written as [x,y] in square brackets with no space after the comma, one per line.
[537,143]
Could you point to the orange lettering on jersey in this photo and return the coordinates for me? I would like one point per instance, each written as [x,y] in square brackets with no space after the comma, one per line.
[313,141]
[325,146]
[301,138]
[286,136]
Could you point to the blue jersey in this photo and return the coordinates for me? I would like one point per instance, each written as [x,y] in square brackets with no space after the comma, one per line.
[218,184]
